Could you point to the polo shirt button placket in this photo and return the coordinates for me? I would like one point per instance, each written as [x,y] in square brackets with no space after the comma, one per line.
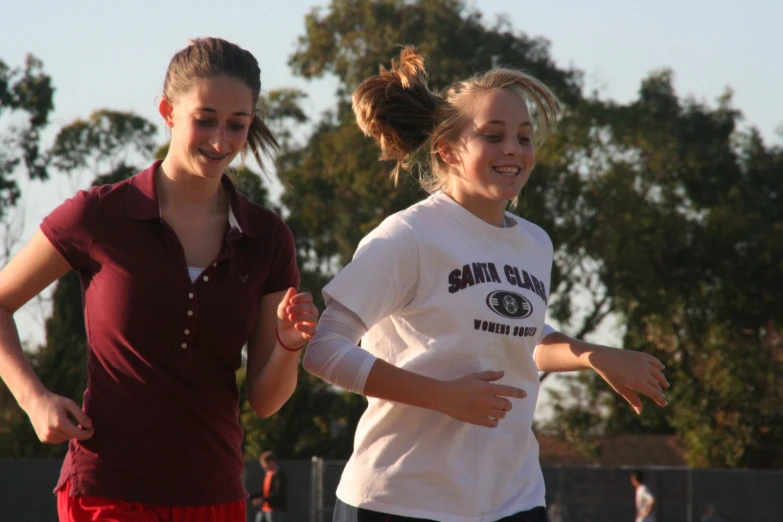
[190,312]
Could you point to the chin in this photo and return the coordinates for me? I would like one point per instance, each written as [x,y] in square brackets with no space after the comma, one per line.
[211,170]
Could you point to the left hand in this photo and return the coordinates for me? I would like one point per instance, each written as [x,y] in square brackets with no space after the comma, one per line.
[630,372]
[297,317]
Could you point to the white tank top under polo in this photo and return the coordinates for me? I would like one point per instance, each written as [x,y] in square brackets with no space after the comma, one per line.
[445,294]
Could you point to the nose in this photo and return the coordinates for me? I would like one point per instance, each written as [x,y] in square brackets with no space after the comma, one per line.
[511,146]
[220,138]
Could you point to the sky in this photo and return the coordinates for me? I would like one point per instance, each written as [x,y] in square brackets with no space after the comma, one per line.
[114,55]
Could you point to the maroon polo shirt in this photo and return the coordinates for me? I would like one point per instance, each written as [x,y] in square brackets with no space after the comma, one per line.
[163,351]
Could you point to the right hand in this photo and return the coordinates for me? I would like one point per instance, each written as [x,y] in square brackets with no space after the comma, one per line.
[58,419]
[476,400]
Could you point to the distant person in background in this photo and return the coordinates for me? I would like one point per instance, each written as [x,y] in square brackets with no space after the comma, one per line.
[644,499]
[710,515]
[272,500]
[556,510]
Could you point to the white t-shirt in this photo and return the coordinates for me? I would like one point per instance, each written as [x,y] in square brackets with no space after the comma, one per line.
[644,500]
[445,294]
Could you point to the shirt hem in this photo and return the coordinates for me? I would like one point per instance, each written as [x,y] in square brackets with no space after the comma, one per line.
[431,515]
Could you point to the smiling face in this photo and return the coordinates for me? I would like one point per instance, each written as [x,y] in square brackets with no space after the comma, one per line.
[209,125]
[493,157]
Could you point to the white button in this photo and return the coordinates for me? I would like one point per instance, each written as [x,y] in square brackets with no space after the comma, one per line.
[190,312]
[184,345]
[190,295]
[206,278]
[187,332]
[214,264]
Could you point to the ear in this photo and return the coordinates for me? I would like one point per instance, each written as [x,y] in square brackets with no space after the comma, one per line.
[166,110]
[447,154]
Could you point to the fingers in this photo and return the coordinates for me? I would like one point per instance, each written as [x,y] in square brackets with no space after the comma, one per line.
[499,389]
[657,364]
[308,329]
[658,374]
[72,431]
[488,422]
[488,376]
[65,420]
[654,392]
[78,414]
[633,399]
[298,298]
[503,390]
[499,403]
[289,294]
[75,424]
[300,308]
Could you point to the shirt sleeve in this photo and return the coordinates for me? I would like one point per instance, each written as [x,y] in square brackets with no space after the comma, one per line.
[383,275]
[284,272]
[334,355]
[69,228]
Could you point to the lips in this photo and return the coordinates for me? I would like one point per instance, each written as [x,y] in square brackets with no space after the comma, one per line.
[508,170]
[213,156]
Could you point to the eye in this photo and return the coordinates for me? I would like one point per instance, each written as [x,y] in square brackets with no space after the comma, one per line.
[524,140]
[237,126]
[493,138]
[206,123]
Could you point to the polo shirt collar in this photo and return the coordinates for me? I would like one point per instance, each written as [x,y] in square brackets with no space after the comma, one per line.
[142,202]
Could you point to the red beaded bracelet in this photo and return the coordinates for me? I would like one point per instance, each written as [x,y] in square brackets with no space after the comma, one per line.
[280,341]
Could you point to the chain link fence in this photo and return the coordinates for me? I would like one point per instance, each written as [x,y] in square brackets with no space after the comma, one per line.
[583,494]
[593,494]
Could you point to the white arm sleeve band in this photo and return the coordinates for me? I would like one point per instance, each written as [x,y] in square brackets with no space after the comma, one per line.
[544,333]
[334,354]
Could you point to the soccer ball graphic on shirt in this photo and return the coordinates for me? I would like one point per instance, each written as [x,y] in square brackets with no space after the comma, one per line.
[509,304]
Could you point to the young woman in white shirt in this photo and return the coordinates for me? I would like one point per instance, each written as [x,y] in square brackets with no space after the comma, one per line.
[449,298]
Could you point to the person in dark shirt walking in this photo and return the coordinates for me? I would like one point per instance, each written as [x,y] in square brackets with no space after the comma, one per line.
[272,500]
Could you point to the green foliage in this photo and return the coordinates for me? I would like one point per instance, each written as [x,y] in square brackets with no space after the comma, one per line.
[61,363]
[680,218]
[24,94]
[106,140]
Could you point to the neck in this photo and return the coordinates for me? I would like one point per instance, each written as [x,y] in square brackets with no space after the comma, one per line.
[492,212]
[182,191]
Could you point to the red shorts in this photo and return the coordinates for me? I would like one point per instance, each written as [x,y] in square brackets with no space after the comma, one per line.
[88,509]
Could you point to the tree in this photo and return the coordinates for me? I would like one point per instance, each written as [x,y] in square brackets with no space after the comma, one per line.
[681,220]
[26,100]
[24,93]
[99,147]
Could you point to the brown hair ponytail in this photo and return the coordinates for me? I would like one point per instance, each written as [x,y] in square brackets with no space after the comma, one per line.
[397,109]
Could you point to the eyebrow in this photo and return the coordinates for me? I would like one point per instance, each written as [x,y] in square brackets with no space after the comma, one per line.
[208,109]
[501,122]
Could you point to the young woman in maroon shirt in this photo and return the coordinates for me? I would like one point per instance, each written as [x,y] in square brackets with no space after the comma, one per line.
[179,271]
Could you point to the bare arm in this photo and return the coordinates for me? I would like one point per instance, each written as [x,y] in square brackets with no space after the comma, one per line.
[472,398]
[26,275]
[334,356]
[271,368]
[626,371]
